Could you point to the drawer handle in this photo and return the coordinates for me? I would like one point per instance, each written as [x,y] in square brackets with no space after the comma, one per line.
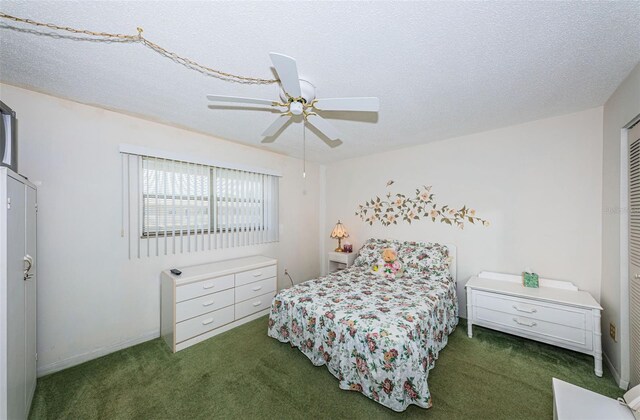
[517,321]
[208,285]
[207,321]
[257,273]
[531,311]
[258,303]
[208,303]
[255,289]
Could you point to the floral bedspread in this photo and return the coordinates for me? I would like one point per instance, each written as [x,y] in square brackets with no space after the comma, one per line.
[377,336]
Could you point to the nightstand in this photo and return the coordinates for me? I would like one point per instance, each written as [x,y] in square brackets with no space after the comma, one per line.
[340,260]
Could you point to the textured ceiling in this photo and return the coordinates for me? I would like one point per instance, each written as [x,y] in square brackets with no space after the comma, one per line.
[440,69]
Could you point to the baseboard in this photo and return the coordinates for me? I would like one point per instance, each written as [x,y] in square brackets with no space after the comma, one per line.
[616,375]
[94,354]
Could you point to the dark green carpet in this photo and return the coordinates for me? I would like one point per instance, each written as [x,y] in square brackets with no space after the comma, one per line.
[245,374]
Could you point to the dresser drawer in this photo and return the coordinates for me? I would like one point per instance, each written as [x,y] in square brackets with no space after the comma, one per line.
[254,305]
[535,328]
[203,304]
[203,323]
[203,287]
[257,288]
[563,315]
[254,275]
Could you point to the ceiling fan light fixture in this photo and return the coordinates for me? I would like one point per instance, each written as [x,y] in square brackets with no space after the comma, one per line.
[296,108]
[307,89]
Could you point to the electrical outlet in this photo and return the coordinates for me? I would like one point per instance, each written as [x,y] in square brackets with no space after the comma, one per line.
[612,331]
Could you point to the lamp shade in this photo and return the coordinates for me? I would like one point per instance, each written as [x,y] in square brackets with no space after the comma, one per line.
[339,231]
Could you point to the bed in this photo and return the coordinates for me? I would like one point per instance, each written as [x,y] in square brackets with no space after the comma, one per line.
[378,336]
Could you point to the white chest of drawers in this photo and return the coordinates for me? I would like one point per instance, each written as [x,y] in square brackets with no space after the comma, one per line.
[556,313]
[208,299]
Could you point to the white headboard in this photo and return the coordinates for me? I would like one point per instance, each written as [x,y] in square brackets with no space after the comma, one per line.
[453,254]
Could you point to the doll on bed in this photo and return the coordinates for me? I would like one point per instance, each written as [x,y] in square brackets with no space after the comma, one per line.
[388,265]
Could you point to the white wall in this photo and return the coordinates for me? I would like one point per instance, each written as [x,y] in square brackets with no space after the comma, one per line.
[91,298]
[539,184]
[619,110]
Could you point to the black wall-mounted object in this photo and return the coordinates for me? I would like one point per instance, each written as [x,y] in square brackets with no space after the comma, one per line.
[8,138]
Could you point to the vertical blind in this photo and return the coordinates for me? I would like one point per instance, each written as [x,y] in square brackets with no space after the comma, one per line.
[172,206]
[634,252]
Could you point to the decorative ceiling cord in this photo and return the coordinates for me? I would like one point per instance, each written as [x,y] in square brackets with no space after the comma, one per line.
[152,45]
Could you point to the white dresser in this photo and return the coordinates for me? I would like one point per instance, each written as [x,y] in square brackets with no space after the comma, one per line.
[556,313]
[208,299]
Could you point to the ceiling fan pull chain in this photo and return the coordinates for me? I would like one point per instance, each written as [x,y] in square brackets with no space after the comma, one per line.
[304,148]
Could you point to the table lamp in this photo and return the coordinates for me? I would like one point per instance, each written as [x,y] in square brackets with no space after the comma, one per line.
[339,232]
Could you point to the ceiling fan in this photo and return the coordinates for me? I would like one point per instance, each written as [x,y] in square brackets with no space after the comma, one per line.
[298,98]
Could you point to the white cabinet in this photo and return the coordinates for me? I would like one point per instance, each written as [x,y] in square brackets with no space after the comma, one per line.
[556,313]
[17,295]
[208,299]
[340,260]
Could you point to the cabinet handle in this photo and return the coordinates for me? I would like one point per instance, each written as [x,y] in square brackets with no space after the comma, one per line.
[255,289]
[517,321]
[207,321]
[29,260]
[257,274]
[531,311]
[208,303]
[258,303]
[208,286]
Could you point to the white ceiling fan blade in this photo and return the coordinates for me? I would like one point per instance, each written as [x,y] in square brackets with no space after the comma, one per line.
[349,104]
[239,100]
[324,126]
[333,143]
[287,70]
[275,126]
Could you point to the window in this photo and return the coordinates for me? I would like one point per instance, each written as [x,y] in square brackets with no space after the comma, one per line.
[175,197]
[181,206]
[239,201]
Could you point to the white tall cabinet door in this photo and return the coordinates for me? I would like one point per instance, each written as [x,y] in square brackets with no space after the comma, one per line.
[634,253]
[17,295]
[30,294]
[16,343]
